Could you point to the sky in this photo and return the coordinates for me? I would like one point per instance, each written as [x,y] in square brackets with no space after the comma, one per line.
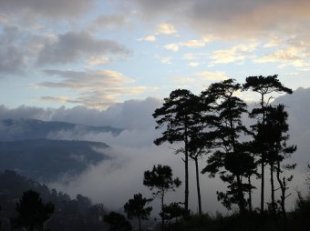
[95,53]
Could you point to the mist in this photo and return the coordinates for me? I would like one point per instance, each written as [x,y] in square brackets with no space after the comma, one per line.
[115,180]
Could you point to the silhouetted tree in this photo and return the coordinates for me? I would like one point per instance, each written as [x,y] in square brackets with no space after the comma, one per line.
[276,119]
[32,212]
[230,158]
[136,207]
[264,86]
[117,222]
[160,180]
[178,116]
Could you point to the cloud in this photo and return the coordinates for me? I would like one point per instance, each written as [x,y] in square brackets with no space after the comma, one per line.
[236,53]
[148,38]
[164,59]
[73,46]
[165,29]
[129,115]
[216,76]
[195,59]
[111,21]
[200,81]
[172,47]
[244,17]
[194,43]
[46,8]
[293,56]
[94,88]
[18,49]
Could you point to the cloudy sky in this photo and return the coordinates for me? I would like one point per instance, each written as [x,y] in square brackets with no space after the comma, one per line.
[95,53]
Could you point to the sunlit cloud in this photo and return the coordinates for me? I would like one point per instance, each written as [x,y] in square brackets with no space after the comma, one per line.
[165,29]
[194,43]
[237,53]
[148,38]
[95,89]
[289,56]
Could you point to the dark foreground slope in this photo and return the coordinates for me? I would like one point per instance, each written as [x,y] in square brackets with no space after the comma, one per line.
[77,214]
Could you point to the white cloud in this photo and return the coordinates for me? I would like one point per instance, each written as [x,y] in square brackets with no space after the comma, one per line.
[172,47]
[164,59]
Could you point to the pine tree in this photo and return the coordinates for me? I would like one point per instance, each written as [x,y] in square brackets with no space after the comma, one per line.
[264,86]
[32,212]
[160,180]
[136,207]
[178,115]
[230,159]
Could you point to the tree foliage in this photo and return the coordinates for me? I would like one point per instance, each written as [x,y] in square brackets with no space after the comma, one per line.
[160,180]
[117,222]
[136,207]
[32,212]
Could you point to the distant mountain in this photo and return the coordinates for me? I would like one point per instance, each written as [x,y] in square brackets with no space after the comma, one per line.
[49,160]
[23,129]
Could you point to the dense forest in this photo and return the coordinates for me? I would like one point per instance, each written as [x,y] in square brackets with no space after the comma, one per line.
[246,158]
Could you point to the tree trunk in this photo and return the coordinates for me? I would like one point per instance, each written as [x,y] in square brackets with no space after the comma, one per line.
[282,184]
[186,170]
[262,195]
[162,211]
[139,223]
[198,186]
[241,203]
[273,203]
[250,194]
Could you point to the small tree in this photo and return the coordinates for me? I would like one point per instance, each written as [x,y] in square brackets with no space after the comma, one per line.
[32,212]
[173,211]
[160,180]
[136,207]
[117,222]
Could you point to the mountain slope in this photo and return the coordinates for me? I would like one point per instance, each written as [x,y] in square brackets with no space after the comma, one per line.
[48,160]
[36,129]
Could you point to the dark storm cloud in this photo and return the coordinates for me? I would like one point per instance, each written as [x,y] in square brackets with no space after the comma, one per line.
[73,46]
